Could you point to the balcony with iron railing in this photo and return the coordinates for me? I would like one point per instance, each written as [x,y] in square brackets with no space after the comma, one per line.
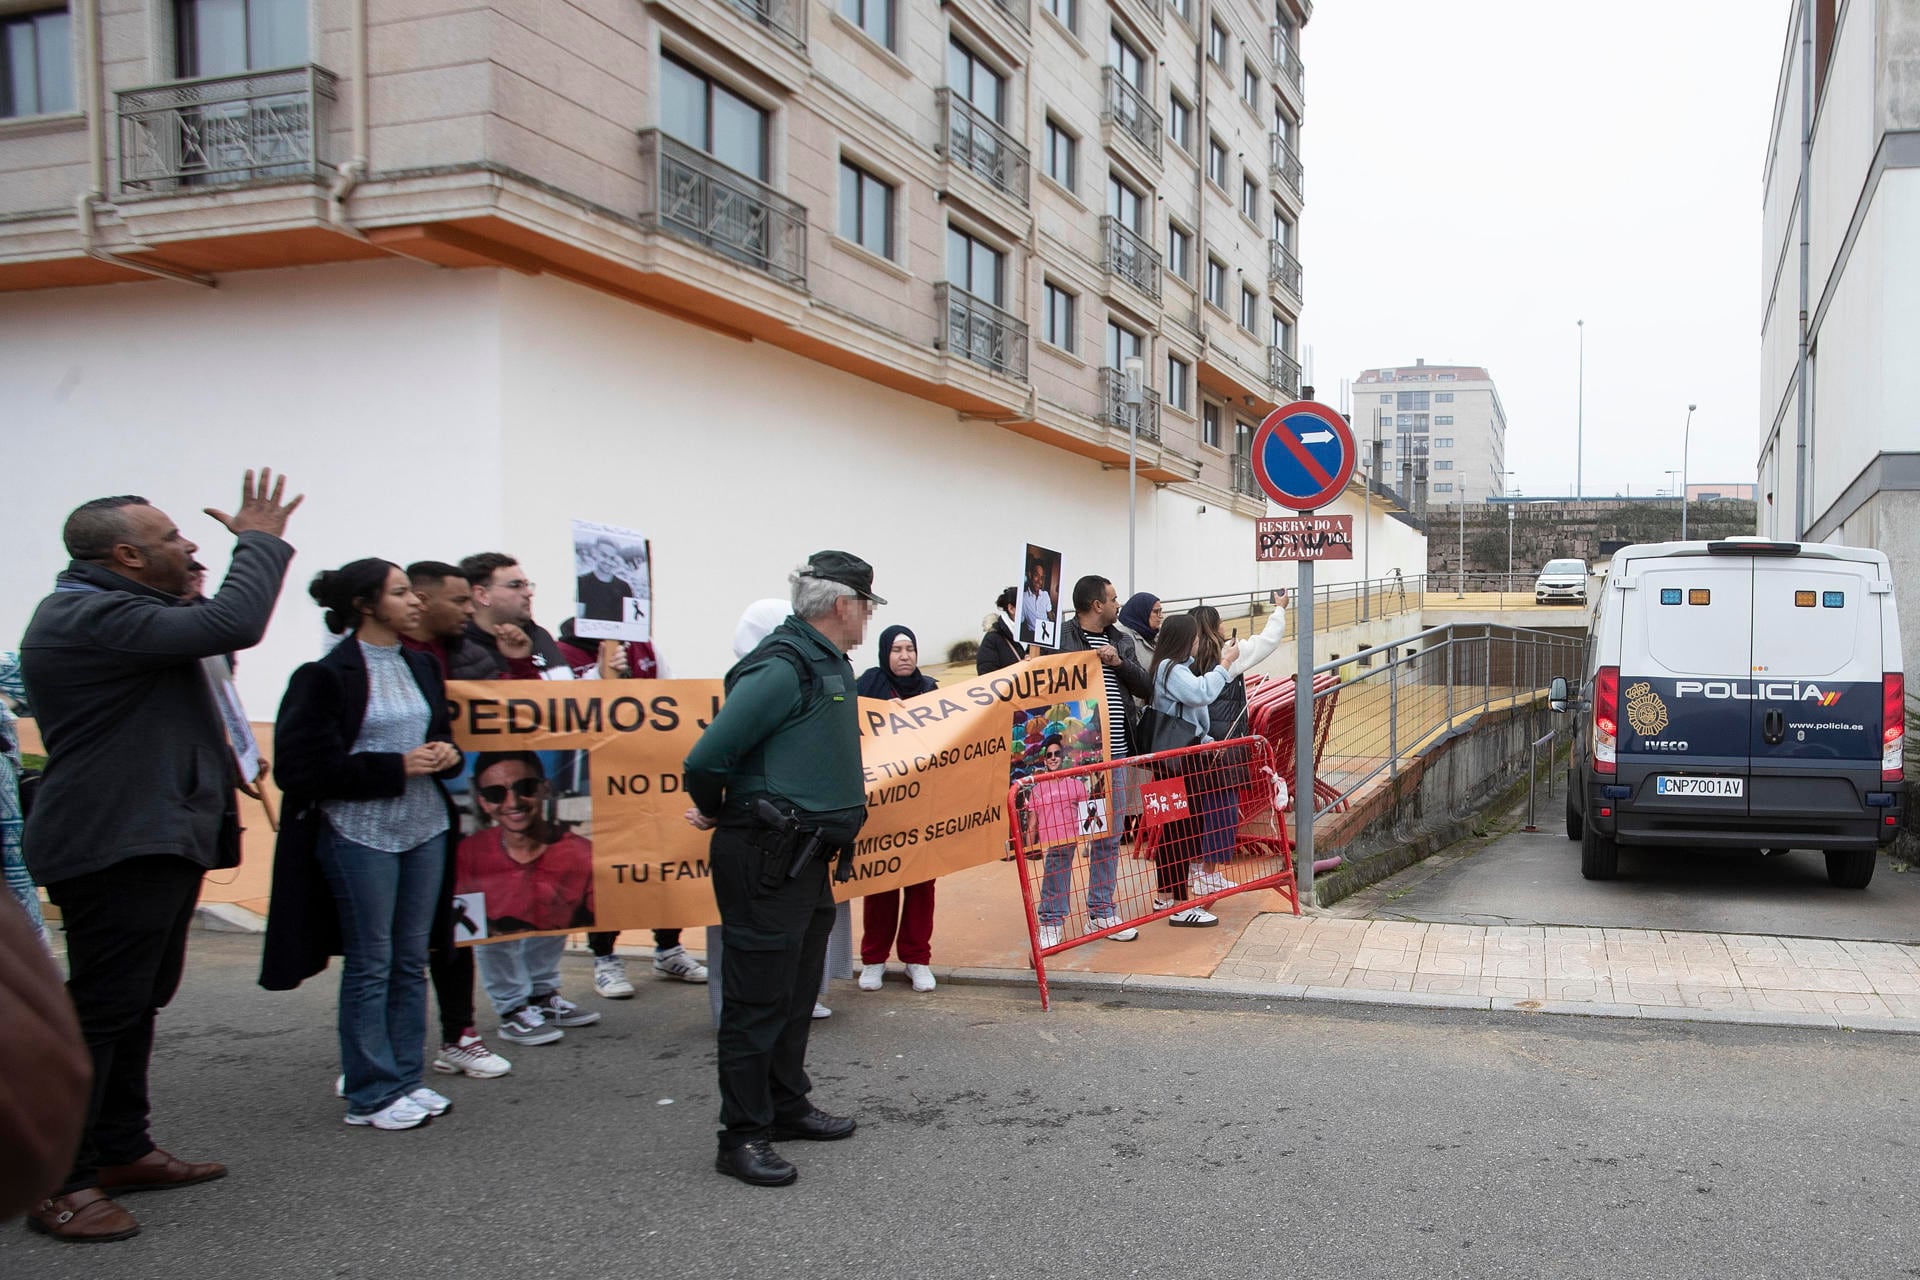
[1284,166]
[1121,416]
[785,18]
[1129,110]
[1283,268]
[1286,58]
[220,130]
[1243,481]
[979,144]
[981,332]
[1283,372]
[691,195]
[1129,256]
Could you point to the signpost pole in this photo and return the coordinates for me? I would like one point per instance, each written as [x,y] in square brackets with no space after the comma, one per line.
[1303,737]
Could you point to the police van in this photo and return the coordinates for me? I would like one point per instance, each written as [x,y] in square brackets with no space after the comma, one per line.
[1743,693]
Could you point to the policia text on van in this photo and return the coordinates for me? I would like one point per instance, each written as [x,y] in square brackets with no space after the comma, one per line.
[1739,694]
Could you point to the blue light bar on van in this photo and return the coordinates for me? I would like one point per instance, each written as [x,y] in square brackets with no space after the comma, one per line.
[1833,599]
[1669,595]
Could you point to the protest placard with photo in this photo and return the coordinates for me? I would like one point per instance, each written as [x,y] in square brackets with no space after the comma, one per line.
[523,863]
[1038,612]
[613,583]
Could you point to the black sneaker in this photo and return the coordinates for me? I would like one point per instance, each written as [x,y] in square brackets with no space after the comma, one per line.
[756,1163]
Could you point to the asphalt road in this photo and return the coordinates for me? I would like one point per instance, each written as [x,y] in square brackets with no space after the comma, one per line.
[1535,879]
[1104,1139]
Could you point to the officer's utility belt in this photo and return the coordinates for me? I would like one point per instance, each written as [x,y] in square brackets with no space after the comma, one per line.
[791,837]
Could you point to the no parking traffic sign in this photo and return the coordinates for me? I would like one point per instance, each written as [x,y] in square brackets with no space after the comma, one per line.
[1303,455]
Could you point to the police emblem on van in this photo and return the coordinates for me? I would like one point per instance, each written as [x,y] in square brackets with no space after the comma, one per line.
[1646,713]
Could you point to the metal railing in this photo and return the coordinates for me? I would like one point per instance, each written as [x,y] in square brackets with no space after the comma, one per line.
[1283,268]
[1128,107]
[1118,414]
[1286,58]
[982,332]
[1130,256]
[1397,700]
[1243,480]
[225,129]
[1335,604]
[1283,166]
[785,18]
[1283,371]
[691,195]
[978,143]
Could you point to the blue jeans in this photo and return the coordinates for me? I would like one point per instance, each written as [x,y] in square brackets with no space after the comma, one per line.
[1103,859]
[520,969]
[386,903]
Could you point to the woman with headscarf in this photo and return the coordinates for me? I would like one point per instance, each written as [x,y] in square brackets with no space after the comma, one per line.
[1140,617]
[898,678]
[998,647]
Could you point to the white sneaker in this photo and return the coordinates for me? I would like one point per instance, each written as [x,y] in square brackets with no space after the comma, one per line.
[401,1113]
[676,963]
[1098,923]
[921,977]
[431,1101]
[471,1057]
[610,978]
[821,1011]
[871,976]
[1193,918]
[1161,904]
[340,1087]
[1050,936]
[1218,883]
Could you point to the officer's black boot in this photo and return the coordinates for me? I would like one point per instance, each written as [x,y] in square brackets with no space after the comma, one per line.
[756,1162]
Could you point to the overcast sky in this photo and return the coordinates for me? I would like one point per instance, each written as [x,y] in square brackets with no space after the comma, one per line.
[1483,173]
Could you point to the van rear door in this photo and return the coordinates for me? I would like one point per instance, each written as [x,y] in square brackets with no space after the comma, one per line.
[1817,688]
[1685,642]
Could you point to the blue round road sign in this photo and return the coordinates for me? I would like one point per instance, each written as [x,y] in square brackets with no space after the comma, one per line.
[1303,455]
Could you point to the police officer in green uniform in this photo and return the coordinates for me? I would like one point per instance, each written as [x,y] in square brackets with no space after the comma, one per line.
[778,775]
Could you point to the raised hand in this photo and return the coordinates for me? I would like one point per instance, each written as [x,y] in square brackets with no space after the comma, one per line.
[261,510]
[513,642]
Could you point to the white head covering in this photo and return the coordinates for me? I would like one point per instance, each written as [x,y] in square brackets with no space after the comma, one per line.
[761,617]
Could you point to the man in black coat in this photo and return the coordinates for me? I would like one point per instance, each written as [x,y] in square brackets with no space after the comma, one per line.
[137,803]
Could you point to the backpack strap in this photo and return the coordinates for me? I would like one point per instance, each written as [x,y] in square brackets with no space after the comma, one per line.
[778,648]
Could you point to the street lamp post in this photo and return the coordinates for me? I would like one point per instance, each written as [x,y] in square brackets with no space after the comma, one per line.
[1580,422]
[1670,473]
[1686,437]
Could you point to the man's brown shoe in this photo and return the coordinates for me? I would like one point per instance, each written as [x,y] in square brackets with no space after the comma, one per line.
[156,1171]
[85,1217]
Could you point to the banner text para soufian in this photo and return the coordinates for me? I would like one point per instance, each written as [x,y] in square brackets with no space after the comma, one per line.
[1021,687]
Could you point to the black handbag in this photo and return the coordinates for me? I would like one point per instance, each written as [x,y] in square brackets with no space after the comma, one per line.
[1158,731]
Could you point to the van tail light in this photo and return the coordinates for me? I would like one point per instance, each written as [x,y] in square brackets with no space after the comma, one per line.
[1893,738]
[1606,709]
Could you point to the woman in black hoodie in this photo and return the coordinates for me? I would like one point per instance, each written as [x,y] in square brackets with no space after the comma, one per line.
[998,647]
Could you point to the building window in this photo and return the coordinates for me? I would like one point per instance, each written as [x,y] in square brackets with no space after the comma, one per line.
[1282,230]
[1065,10]
[969,76]
[1217,45]
[976,266]
[1445,377]
[226,37]
[1185,9]
[1282,333]
[1443,488]
[1125,204]
[1443,464]
[1413,400]
[1250,85]
[1250,198]
[36,64]
[1062,158]
[1243,437]
[703,113]
[1123,344]
[1443,420]
[1059,323]
[1387,399]
[1443,397]
[1443,442]
[1210,425]
[875,17]
[1217,282]
[1124,58]
[1217,162]
[1180,122]
[1249,309]
[866,210]
[1179,251]
[1180,384]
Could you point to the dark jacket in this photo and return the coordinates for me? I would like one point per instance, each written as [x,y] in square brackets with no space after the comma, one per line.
[138,761]
[1133,677]
[455,659]
[313,739]
[998,648]
[480,658]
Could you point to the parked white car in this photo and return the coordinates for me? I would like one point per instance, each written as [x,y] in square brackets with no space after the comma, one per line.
[1561,580]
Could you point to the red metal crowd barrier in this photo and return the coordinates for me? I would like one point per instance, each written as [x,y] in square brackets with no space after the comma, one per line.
[1270,715]
[1106,848]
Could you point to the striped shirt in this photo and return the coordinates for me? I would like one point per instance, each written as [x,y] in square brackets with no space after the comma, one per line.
[1116,699]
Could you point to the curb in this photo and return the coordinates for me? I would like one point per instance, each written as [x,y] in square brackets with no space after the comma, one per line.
[226,917]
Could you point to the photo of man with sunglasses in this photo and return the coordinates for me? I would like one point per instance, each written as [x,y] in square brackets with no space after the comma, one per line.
[534,876]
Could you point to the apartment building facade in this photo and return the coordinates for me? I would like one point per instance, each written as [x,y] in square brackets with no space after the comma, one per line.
[1441,429]
[1854,476]
[753,276]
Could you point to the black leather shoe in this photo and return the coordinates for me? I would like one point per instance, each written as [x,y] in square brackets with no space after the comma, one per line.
[756,1162]
[815,1126]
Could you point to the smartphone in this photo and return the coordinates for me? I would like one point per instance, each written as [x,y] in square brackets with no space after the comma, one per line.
[1236,633]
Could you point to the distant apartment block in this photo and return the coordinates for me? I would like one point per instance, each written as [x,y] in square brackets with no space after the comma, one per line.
[1441,428]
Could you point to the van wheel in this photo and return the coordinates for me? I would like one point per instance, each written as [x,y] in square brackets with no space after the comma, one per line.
[1599,855]
[1850,868]
[1573,819]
